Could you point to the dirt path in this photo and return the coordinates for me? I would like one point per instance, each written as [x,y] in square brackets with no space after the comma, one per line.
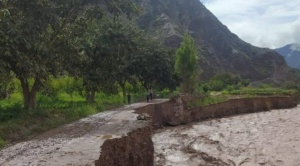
[76,144]
[268,138]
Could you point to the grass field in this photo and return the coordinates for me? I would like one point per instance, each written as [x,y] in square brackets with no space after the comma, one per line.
[17,124]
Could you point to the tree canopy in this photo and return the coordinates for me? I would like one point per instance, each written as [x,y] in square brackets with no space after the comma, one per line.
[186,64]
[89,39]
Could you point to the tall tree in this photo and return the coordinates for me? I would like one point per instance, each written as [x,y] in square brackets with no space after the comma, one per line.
[186,64]
[152,64]
[36,39]
[122,39]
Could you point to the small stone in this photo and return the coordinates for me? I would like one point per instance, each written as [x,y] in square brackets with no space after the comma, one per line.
[143,116]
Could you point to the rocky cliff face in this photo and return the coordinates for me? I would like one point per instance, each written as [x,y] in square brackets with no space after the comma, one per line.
[291,54]
[220,50]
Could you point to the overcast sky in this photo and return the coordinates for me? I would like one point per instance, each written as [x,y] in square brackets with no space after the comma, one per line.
[263,23]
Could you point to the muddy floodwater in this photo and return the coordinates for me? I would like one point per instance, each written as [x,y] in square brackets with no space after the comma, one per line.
[269,138]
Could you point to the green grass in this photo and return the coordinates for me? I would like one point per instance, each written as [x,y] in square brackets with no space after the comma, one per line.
[261,92]
[207,100]
[217,97]
[2,143]
[17,124]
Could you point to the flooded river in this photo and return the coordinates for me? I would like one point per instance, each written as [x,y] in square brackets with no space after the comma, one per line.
[268,138]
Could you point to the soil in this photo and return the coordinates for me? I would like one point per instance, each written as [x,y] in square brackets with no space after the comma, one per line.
[268,138]
[77,143]
[117,138]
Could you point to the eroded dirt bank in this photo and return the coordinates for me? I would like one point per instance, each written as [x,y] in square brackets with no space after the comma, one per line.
[174,113]
[267,138]
[127,141]
[134,149]
[78,144]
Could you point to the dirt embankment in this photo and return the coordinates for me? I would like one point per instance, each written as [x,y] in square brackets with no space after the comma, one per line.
[137,148]
[174,112]
[134,149]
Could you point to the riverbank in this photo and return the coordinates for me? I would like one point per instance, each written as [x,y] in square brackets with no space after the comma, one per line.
[78,143]
[174,112]
[116,137]
[262,138]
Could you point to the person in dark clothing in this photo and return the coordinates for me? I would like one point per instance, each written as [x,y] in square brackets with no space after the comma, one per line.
[147,98]
[128,98]
[150,95]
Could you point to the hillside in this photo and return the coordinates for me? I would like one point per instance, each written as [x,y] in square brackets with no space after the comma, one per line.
[291,54]
[221,50]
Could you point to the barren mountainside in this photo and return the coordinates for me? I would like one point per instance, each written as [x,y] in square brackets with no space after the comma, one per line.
[220,50]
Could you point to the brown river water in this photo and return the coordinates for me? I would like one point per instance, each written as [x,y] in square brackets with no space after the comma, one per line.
[268,138]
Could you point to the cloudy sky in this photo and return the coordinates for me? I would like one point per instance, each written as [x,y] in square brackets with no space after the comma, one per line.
[263,23]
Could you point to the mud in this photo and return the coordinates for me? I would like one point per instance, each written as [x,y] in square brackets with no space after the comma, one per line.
[175,112]
[268,138]
[120,151]
[76,144]
[119,139]
[134,149]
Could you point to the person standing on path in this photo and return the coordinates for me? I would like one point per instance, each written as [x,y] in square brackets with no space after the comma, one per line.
[128,98]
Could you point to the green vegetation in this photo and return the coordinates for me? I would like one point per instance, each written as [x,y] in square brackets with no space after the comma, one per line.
[64,60]
[261,92]
[226,86]
[2,143]
[186,64]
[207,100]
[57,105]
[72,38]
[224,81]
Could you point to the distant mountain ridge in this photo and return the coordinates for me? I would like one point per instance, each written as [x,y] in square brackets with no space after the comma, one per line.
[291,54]
[221,50]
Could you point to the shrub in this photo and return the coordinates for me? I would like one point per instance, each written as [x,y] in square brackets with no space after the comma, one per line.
[223,81]
[207,100]
[2,143]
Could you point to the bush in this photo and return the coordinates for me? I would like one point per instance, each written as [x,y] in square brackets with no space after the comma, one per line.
[223,81]
[2,143]
[262,92]
[207,100]
[9,110]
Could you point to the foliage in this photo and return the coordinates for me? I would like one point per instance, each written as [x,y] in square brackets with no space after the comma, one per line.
[6,84]
[122,53]
[44,40]
[166,93]
[261,92]
[62,84]
[2,143]
[33,41]
[153,64]
[186,64]
[207,100]
[225,81]
[52,111]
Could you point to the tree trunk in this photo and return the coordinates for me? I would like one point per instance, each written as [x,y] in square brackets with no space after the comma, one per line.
[122,85]
[30,95]
[91,96]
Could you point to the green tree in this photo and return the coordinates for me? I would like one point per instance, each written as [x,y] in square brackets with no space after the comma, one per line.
[38,38]
[109,54]
[186,64]
[153,64]
[6,84]
[122,53]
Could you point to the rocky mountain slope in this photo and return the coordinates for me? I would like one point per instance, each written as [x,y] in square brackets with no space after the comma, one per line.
[220,50]
[291,54]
